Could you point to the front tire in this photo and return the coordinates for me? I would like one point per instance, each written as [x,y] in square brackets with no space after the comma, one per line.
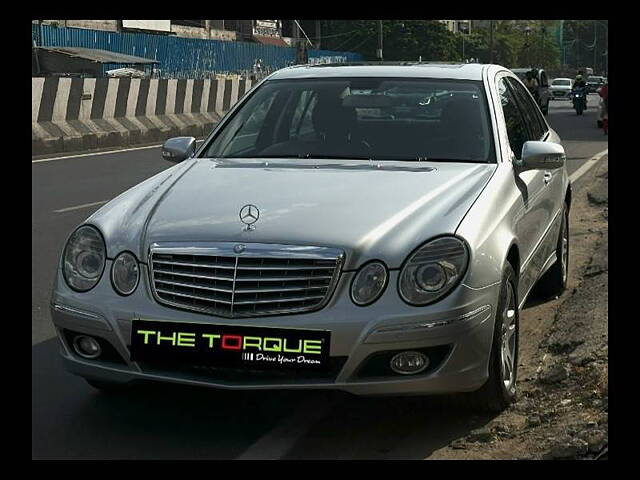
[499,391]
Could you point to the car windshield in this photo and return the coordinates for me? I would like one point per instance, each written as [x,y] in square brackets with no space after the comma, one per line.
[562,82]
[594,80]
[360,118]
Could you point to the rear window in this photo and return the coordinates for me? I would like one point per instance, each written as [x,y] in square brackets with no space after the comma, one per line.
[562,82]
[361,118]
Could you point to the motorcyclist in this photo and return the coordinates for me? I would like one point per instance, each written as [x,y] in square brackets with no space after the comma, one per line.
[579,81]
[531,83]
[604,93]
[579,84]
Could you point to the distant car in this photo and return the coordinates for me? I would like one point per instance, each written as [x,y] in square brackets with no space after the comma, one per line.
[371,228]
[560,88]
[543,96]
[594,83]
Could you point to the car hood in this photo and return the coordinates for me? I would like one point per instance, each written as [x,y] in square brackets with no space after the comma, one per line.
[380,210]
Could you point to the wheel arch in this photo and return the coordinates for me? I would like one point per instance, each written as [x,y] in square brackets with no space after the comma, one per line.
[513,258]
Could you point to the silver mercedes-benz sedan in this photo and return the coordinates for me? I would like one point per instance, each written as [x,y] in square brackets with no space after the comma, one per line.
[369,228]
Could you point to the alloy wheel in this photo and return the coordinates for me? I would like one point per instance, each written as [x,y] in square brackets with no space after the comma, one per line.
[508,348]
[564,254]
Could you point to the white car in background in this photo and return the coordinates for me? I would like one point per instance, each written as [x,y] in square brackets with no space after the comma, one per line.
[560,88]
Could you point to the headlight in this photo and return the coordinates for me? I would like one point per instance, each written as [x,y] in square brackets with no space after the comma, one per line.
[84,258]
[125,273]
[369,283]
[433,270]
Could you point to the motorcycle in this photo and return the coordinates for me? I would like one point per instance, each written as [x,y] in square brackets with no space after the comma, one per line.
[579,98]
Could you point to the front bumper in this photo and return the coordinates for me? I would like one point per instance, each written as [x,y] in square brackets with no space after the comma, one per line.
[459,328]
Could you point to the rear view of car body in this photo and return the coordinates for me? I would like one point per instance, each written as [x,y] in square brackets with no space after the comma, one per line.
[560,88]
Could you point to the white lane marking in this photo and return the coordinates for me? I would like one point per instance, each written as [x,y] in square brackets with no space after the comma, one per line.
[587,165]
[96,153]
[279,441]
[78,207]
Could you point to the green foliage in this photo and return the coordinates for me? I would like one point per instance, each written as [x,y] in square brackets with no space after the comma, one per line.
[585,43]
[403,39]
[515,43]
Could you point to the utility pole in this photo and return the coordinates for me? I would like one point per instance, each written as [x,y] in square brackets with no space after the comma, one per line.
[490,41]
[542,33]
[463,47]
[379,52]
[296,36]
[595,47]
[318,34]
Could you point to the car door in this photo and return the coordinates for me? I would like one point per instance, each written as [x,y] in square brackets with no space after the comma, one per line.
[531,217]
[544,89]
[552,198]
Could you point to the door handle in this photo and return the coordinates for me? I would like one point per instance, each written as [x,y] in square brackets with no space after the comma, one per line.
[547,177]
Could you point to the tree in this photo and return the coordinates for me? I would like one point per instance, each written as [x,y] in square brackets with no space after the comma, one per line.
[403,39]
[584,42]
[430,39]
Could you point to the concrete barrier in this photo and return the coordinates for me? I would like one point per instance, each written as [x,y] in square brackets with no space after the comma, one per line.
[81,114]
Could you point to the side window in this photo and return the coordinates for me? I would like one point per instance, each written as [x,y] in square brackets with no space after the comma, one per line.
[516,128]
[529,110]
[543,79]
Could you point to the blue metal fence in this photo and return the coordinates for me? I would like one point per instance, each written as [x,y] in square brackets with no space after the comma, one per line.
[181,57]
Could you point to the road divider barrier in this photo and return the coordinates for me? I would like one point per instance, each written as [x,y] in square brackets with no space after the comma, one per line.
[84,114]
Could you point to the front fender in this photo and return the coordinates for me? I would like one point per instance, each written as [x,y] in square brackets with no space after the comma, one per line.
[489,228]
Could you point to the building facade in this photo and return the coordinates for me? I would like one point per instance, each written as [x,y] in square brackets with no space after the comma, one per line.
[284,33]
[457,26]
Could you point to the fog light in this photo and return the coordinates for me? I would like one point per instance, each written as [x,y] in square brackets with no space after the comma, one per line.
[86,347]
[409,363]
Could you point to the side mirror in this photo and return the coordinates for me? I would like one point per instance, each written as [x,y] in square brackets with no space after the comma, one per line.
[178,149]
[541,156]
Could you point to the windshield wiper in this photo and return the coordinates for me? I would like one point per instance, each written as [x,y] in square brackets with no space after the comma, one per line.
[353,157]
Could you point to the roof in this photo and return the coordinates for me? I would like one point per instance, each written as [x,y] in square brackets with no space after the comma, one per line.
[266,40]
[460,71]
[525,70]
[98,56]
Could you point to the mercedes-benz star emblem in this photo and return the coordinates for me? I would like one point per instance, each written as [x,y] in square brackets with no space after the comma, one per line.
[239,248]
[249,214]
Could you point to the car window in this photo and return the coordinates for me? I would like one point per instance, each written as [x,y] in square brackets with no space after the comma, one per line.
[543,79]
[516,127]
[530,111]
[361,118]
[561,82]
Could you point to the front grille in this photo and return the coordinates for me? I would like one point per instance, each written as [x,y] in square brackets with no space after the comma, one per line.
[261,280]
